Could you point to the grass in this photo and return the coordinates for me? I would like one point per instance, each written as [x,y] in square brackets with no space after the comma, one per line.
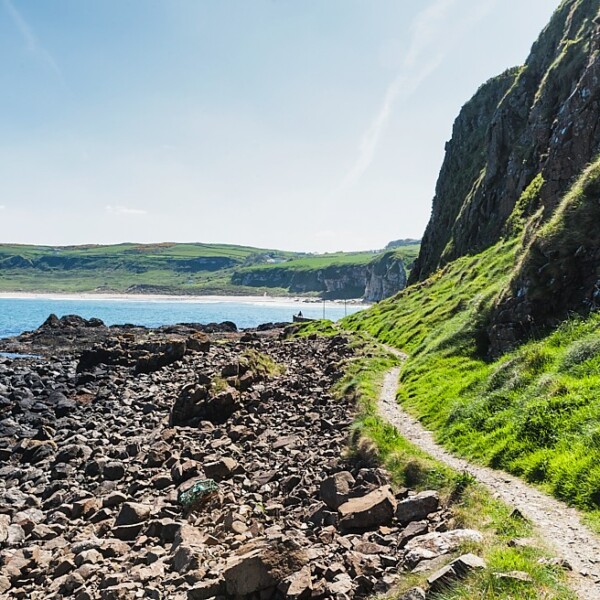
[473,507]
[168,268]
[534,412]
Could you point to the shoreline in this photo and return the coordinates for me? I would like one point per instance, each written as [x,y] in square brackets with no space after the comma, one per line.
[208,299]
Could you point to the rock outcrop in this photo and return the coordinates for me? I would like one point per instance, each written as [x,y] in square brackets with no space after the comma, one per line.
[538,122]
[372,281]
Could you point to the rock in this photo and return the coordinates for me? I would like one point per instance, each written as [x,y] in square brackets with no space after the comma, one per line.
[335,490]
[416,508]
[412,530]
[133,512]
[299,585]
[207,589]
[457,569]
[15,535]
[515,576]
[4,525]
[113,471]
[375,509]
[432,545]
[220,469]
[416,593]
[4,584]
[262,567]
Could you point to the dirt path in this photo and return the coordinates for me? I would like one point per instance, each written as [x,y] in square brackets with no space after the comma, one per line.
[559,525]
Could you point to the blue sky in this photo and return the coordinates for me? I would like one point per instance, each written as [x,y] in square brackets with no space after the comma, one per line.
[313,125]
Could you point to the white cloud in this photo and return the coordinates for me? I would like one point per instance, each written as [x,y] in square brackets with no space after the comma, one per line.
[31,40]
[2,206]
[125,210]
[422,58]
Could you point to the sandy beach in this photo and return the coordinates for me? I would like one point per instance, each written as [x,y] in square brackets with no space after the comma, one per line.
[263,300]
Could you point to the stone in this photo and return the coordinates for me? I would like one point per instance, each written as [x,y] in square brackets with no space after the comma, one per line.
[133,512]
[412,530]
[375,509]
[207,589]
[514,576]
[262,567]
[220,469]
[432,545]
[113,471]
[299,585]
[457,569]
[416,508]
[416,593]
[335,490]
[4,584]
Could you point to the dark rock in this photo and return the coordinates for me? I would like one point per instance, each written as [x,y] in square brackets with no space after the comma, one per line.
[416,508]
[335,490]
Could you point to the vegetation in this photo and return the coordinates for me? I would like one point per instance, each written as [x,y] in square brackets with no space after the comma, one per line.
[473,506]
[534,412]
[160,268]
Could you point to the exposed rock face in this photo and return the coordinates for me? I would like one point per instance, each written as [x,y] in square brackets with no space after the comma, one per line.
[385,277]
[538,120]
[374,281]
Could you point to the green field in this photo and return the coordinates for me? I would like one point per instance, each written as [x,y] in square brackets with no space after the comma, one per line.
[194,269]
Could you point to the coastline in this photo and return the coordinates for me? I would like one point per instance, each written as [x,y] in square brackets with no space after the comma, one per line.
[209,299]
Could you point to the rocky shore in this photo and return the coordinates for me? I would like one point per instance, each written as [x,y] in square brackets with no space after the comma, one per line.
[197,462]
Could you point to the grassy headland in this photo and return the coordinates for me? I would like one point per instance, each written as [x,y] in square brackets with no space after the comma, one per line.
[194,269]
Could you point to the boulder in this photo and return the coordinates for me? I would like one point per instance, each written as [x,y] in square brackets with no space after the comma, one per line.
[366,512]
[263,567]
[335,490]
[416,508]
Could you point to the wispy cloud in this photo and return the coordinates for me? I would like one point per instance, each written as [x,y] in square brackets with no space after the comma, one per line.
[125,210]
[32,42]
[2,206]
[422,58]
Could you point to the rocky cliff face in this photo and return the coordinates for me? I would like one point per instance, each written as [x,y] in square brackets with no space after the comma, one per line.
[373,281]
[537,122]
[385,277]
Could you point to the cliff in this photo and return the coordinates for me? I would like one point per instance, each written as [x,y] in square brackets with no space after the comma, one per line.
[536,122]
[375,280]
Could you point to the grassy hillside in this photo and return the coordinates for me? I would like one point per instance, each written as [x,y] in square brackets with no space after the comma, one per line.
[534,411]
[164,268]
[377,442]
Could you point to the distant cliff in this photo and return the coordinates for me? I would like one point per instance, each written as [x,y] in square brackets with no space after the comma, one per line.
[375,280]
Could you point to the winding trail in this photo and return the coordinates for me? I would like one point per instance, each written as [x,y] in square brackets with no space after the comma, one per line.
[558,524]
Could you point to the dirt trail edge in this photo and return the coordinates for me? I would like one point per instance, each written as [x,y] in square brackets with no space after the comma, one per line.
[559,525]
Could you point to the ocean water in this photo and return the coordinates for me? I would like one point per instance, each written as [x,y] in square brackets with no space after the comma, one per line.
[25,314]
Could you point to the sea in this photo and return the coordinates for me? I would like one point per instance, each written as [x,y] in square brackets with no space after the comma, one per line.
[26,314]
